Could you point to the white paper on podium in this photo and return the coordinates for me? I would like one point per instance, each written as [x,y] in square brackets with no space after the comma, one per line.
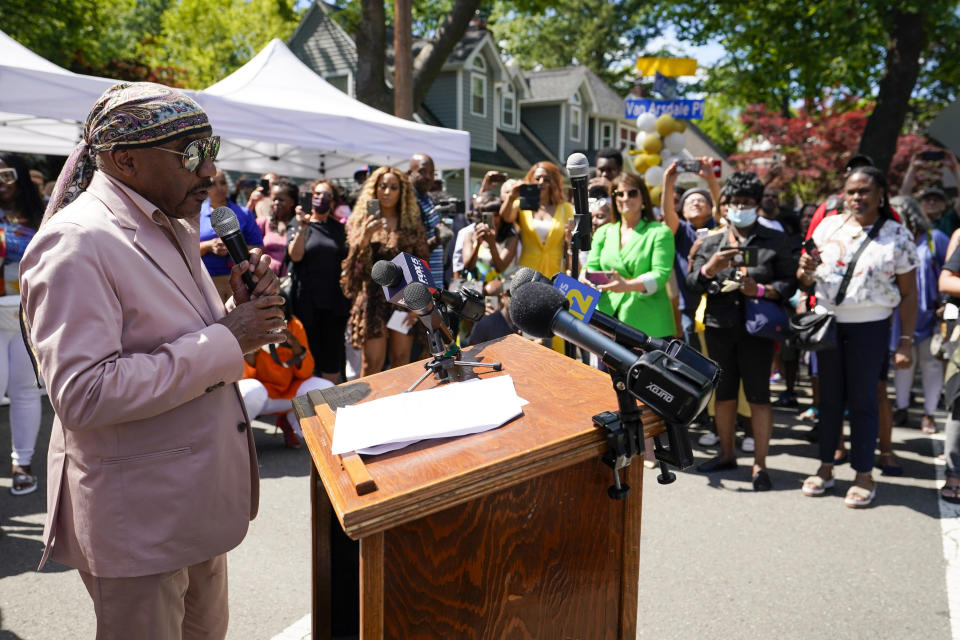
[453,409]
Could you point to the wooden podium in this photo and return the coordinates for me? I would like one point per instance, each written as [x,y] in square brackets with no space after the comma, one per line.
[502,534]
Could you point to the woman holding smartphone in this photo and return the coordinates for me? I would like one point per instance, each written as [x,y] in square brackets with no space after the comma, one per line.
[719,269]
[543,227]
[632,259]
[375,233]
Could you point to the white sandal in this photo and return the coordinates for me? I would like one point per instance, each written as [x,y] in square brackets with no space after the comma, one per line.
[819,487]
[866,497]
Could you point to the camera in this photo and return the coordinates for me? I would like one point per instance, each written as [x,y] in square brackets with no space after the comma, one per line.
[685,165]
[449,206]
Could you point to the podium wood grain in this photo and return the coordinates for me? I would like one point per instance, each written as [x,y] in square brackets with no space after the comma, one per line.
[507,533]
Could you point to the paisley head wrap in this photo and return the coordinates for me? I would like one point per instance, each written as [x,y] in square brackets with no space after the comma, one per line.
[128,114]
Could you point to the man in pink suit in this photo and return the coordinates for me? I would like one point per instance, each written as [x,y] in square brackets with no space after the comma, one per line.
[152,472]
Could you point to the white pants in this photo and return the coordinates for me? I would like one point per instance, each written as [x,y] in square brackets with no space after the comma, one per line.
[258,403]
[20,383]
[931,373]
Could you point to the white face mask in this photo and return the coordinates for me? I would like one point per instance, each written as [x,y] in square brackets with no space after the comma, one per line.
[741,217]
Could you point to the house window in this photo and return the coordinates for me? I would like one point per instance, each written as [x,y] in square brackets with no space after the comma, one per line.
[508,108]
[478,94]
[628,136]
[575,123]
[606,135]
[479,64]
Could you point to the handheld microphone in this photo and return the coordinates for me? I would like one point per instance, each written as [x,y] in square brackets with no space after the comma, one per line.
[670,387]
[395,275]
[227,227]
[578,168]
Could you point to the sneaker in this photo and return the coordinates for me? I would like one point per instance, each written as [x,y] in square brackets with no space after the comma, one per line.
[810,415]
[748,445]
[928,425]
[899,417]
[775,377]
[709,439]
[786,400]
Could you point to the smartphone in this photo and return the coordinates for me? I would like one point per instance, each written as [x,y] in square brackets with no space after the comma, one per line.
[373,207]
[486,217]
[498,178]
[811,248]
[306,201]
[598,277]
[932,155]
[492,302]
[530,197]
[749,255]
[265,186]
[702,233]
[685,165]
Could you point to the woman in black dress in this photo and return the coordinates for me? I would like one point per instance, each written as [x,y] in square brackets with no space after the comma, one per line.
[316,248]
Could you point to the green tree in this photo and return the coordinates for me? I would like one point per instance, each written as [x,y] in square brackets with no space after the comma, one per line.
[209,39]
[781,52]
[602,35]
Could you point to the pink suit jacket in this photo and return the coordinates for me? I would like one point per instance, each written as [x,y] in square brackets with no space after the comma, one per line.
[151,464]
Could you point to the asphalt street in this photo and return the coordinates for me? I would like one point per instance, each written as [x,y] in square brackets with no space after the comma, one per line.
[717,559]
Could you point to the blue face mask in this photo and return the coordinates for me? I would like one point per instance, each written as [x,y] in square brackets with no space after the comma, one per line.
[741,217]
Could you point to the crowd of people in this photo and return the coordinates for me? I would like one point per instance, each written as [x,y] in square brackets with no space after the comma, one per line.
[696,265]
[157,354]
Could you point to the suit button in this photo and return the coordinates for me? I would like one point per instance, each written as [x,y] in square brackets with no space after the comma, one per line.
[241,426]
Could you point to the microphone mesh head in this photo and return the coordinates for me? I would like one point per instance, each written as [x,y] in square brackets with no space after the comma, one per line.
[417,296]
[386,274]
[224,221]
[533,306]
[578,166]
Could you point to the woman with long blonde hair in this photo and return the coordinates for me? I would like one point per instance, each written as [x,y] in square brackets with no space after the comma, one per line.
[543,230]
[379,234]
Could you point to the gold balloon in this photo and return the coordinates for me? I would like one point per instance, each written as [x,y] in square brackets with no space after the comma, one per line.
[681,126]
[655,195]
[640,163]
[653,159]
[666,124]
[652,143]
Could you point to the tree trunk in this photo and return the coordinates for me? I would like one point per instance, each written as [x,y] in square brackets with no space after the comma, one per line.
[906,39]
[430,60]
[371,54]
[402,60]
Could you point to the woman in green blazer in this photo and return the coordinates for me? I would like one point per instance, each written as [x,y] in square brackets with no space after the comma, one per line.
[637,252]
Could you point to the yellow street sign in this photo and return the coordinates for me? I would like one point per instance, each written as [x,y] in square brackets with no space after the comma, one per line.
[669,67]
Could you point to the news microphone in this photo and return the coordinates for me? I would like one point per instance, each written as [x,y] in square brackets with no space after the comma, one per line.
[621,332]
[395,275]
[671,388]
[578,168]
[419,298]
[227,227]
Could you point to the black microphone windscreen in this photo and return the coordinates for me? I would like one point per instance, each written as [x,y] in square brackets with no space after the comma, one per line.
[525,275]
[386,274]
[224,221]
[417,296]
[533,306]
[578,166]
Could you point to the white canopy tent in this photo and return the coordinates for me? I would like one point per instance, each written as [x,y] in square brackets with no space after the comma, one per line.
[273,114]
[324,125]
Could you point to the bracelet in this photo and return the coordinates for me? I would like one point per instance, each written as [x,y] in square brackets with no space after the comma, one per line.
[760,290]
[910,338]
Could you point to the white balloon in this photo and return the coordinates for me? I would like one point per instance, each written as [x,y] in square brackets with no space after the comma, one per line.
[653,176]
[647,122]
[675,141]
[666,158]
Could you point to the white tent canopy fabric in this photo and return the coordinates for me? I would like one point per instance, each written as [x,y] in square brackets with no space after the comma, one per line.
[273,114]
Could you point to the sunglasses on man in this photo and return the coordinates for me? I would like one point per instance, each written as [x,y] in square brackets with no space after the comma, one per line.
[197,151]
[8,175]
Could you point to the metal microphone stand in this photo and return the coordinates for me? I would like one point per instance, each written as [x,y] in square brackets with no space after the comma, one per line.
[444,365]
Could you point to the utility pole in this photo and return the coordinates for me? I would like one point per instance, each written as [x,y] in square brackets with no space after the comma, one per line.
[402,60]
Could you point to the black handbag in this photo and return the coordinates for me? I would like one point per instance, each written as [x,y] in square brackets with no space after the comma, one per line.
[814,331]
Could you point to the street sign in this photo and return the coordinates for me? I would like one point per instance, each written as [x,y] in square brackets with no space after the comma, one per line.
[671,67]
[679,109]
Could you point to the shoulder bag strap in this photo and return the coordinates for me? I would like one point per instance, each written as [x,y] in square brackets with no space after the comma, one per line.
[842,291]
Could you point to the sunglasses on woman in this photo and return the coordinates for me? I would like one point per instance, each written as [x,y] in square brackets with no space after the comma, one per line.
[197,151]
[632,193]
[8,175]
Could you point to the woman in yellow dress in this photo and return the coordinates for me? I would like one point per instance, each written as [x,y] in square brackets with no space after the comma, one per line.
[543,231]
